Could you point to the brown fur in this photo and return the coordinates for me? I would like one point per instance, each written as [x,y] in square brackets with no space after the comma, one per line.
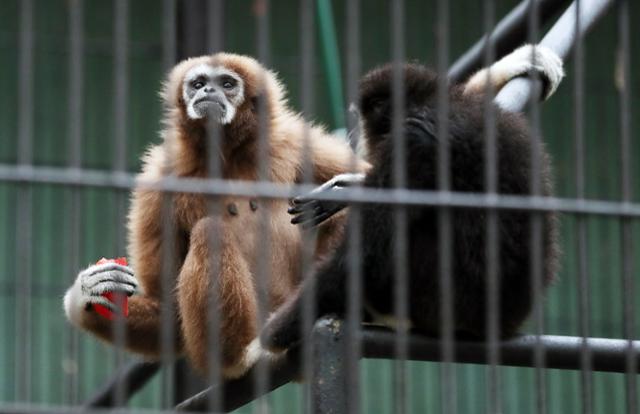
[183,154]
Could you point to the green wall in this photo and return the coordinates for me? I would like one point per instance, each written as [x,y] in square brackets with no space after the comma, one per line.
[55,367]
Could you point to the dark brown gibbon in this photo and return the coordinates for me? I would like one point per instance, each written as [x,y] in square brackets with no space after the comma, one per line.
[466,142]
[223,88]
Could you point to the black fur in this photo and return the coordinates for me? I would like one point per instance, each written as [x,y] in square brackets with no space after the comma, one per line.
[466,140]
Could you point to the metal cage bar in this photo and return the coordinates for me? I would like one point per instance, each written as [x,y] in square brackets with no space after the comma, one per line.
[332,359]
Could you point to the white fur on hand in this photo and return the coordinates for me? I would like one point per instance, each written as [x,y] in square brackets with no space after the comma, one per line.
[519,63]
[92,282]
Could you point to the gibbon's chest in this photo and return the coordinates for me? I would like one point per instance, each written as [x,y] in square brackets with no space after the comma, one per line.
[243,217]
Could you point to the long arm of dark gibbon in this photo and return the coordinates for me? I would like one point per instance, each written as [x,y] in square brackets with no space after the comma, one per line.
[328,292]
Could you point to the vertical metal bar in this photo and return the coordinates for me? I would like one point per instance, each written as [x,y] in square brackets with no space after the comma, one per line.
[536,238]
[121,83]
[329,376]
[331,62]
[307,50]
[492,244]
[169,34]
[215,28]
[583,274]
[168,276]
[354,282]
[628,282]
[215,39]
[400,293]
[120,110]
[169,269]
[76,88]
[448,393]
[263,276]
[24,205]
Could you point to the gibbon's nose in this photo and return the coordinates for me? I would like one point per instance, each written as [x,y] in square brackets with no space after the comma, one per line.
[209,89]
[215,95]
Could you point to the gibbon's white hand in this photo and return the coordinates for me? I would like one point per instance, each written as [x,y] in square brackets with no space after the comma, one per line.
[310,212]
[520,62]
[92,282]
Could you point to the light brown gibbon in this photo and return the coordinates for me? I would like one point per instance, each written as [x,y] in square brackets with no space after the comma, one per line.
[222,88]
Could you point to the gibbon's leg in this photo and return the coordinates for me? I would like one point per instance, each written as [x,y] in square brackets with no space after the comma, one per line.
[142,326]
[519,63]
[237,307]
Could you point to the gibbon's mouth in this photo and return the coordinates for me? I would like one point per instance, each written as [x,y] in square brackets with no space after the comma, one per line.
[417,124]
[211,101]
[211,104]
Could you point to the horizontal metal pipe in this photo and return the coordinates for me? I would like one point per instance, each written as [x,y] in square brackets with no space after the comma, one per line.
[561,352]
[126,181]
[241,391]
[135,376]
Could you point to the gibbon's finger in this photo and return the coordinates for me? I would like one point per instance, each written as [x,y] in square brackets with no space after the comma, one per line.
[315,216]
[304,199]
[111,286]
[109,266]
[115,277]
[338,183]
[305,215]
[317,205]
[312,204]
[316,220]
[101,300]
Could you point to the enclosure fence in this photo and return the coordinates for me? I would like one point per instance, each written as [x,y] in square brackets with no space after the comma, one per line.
[330,363]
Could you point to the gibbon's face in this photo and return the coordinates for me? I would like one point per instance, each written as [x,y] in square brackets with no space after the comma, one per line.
[214,92]
[376,98]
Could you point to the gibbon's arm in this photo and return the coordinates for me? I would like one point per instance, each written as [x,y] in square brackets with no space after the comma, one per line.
[336,166]
[143,324]
[520,62]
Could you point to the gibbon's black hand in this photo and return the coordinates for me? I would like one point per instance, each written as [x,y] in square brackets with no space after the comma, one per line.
[310,212]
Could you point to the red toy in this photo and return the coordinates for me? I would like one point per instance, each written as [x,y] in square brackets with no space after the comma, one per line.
[119,298]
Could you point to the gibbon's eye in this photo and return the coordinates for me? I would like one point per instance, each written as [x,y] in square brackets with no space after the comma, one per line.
[198,84]
[375,104]
[228,83]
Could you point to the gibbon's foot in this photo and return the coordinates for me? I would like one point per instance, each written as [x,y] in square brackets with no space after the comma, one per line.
[519,63]
[310,211]
[252,354]
[92,282]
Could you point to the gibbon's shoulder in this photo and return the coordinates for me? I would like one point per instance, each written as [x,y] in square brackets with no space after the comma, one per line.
[153,163]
